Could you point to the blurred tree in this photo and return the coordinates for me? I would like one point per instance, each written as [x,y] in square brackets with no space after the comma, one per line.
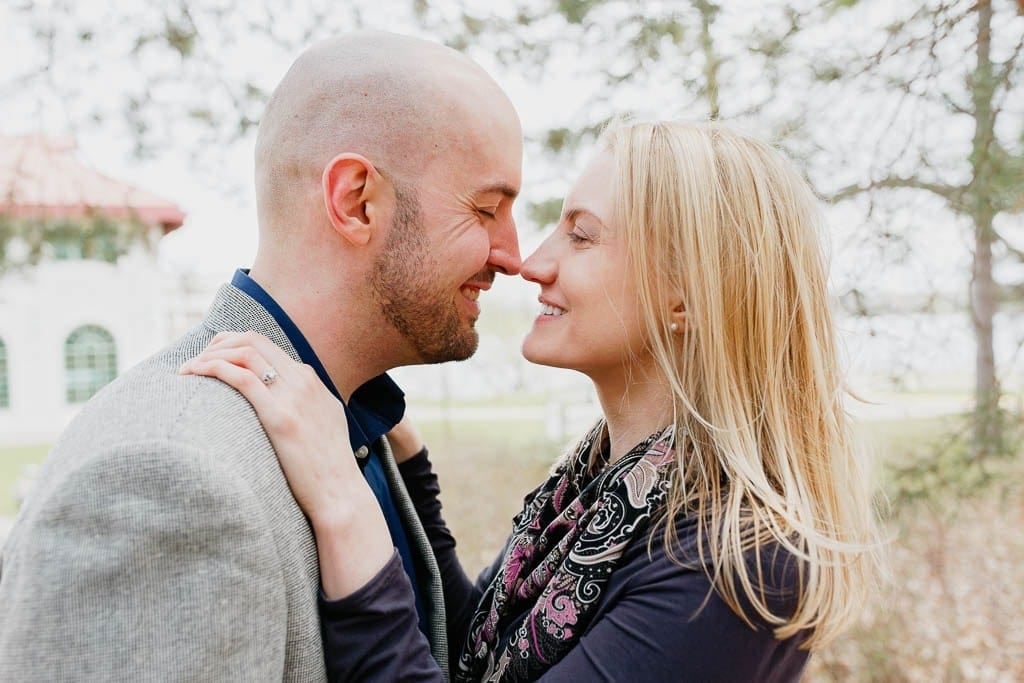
[918,73]
[697,59]
[157,73]
[946,75]
[196,69]
[188,77]
[24,242]
[938,82]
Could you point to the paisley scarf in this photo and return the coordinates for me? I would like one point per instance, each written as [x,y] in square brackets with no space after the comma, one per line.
[564,546]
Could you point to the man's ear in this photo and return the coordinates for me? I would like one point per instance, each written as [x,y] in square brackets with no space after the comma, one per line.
[350,184]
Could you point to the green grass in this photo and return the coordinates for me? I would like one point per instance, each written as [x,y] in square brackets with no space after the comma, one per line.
[503,435]
[895,440]
[12,462]
[524,399]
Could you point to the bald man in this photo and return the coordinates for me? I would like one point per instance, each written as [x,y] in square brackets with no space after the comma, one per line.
[162,542]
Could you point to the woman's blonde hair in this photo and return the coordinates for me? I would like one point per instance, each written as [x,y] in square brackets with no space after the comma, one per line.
[724,224]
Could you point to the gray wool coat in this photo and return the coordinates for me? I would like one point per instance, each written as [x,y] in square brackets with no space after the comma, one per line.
[162,542]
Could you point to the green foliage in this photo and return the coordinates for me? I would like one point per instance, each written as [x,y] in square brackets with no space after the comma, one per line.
[576,11]
[939,467]
[1006,180]
[546,212]
[7,233]
[96,237]
[836,5]
[681,59]
[15,462]
[181,36]
[654,35]
[828,73]
[558,139]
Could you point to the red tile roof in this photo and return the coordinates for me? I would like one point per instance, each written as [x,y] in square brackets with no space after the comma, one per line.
[43,177]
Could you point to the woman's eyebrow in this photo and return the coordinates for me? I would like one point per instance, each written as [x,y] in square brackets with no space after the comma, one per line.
[575,212]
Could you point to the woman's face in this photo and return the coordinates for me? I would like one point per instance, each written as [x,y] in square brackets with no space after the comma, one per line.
[589,319]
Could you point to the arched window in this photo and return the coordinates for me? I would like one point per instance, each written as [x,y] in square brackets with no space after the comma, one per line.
[90,362]
[5,392]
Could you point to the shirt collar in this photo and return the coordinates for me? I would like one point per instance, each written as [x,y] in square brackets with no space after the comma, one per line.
[372,410]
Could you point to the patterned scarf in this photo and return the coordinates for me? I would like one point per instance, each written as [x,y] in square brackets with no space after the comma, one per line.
[565,544]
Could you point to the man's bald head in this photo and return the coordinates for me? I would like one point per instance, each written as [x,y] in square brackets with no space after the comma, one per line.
[399,101]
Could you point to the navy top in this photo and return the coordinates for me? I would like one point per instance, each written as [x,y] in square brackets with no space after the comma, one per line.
[372,410]
[656,621]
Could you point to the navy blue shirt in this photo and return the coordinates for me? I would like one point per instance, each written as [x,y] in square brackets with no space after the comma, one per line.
[372,410]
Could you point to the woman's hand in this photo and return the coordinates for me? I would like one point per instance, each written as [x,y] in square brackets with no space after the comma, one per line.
[305,423]
[309,431]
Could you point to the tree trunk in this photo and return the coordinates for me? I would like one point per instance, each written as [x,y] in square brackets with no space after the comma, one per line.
[708,12]
[987,428]
[987,436]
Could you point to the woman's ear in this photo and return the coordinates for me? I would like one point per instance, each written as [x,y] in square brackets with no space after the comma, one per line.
[677,319]
[350,184]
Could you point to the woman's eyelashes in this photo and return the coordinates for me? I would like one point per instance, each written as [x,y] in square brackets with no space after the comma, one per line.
[578,235]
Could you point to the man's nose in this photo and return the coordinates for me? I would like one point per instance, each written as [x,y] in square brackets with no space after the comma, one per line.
[504,256]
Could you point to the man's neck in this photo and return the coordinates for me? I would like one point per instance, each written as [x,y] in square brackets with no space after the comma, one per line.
[339,325]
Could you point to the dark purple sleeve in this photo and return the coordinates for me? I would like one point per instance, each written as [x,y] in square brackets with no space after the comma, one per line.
[461,595]
[654,629]
[373,634]
[657,623]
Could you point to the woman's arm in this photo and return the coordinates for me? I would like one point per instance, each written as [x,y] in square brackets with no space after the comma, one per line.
[309,432]
[461,595]
[367,606]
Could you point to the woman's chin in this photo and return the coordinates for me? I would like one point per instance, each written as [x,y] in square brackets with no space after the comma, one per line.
[537,355]
[543,356]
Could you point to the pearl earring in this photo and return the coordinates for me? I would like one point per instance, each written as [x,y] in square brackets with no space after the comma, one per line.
[674,327]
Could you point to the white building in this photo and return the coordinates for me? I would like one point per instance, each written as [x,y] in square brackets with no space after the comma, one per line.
[70,323]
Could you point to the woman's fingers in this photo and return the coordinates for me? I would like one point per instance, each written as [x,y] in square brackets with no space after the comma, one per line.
[242,356]
[223,340]
[261,343]
[309,431]
[305,422]
[253,351]
[239,377]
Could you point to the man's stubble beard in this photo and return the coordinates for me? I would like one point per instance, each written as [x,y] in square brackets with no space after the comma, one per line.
[411,301]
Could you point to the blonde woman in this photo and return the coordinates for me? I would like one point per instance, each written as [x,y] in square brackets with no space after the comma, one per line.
[716,524]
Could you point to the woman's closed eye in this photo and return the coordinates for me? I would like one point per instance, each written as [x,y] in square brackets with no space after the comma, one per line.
[578,235]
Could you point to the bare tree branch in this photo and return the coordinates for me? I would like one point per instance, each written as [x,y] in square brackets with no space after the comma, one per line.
[950,193]
[1014,251]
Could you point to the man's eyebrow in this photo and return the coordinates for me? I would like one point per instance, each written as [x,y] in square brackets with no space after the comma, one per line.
[503,188]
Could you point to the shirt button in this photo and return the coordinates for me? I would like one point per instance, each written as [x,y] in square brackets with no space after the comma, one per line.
[362,452]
